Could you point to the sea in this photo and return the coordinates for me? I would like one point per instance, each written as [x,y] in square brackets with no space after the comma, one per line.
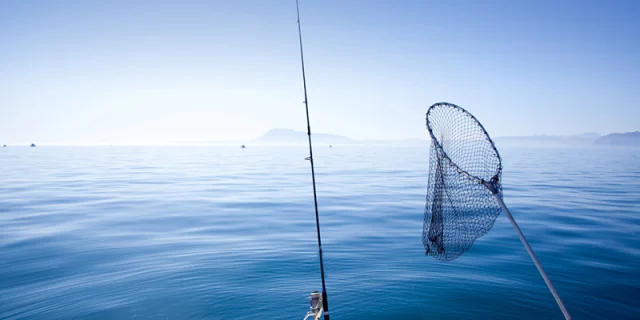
[221,232]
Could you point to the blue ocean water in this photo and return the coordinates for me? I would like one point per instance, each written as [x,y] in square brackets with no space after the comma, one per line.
[229,233]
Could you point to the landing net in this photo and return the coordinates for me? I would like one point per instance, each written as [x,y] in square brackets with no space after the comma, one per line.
[460,208]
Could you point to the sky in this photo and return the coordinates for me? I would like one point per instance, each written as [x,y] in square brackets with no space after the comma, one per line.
[149,71]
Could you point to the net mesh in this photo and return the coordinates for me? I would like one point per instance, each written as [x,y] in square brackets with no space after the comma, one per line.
[459,208]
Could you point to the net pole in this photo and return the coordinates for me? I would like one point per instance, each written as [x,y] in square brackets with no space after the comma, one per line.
[533,256]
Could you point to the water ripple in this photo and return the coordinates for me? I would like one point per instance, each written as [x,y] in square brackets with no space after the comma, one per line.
[229,233]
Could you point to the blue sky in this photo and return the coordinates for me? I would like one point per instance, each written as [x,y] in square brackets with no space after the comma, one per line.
[101,72]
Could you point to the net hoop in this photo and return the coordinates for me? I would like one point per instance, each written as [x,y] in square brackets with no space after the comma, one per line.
[440,149]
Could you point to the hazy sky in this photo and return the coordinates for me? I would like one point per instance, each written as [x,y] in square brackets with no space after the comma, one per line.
[121,71]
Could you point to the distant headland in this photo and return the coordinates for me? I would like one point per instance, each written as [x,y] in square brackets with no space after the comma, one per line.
[631,139]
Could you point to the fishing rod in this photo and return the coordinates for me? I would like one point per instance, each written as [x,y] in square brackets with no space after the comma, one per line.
[325,304]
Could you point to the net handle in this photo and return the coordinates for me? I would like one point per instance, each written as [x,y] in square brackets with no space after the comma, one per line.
[437,144]
[544,275]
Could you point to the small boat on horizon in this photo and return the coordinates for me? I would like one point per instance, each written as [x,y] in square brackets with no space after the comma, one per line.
[243,146]
[33,145]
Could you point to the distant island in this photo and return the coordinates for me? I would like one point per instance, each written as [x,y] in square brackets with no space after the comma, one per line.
[631,139]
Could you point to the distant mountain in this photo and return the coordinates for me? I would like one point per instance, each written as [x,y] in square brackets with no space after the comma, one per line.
[549,140]
[291,136]
[620,139]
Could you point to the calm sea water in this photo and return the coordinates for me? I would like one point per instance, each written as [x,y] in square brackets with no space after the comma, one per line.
[229,233]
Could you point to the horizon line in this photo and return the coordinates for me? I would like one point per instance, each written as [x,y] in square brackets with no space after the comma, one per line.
[256,141]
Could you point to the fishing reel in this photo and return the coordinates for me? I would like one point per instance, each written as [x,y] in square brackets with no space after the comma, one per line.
[315,304]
